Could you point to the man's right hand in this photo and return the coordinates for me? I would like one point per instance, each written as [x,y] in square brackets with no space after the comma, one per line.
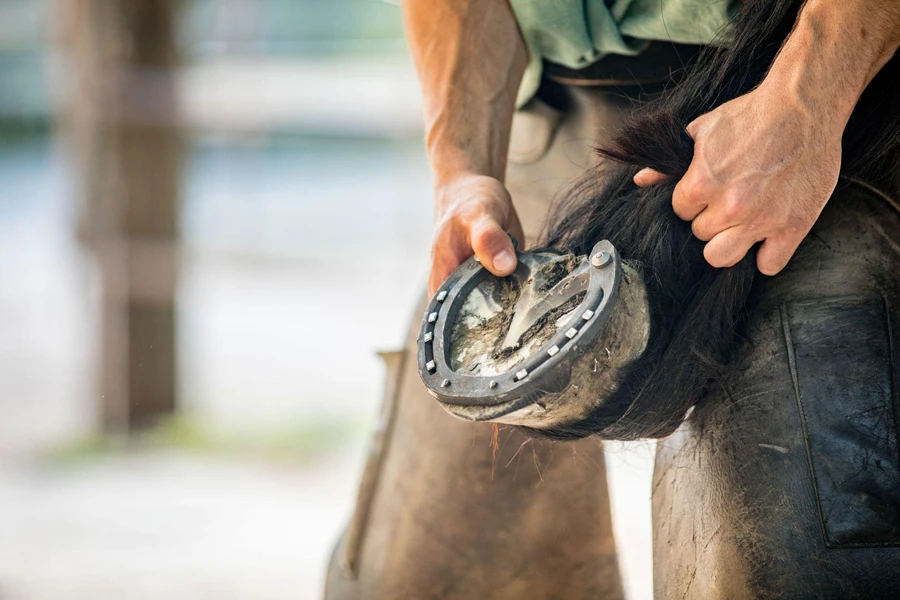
[473,214]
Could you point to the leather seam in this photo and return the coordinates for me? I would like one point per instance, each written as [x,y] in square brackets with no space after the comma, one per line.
[892,365]
[795,380]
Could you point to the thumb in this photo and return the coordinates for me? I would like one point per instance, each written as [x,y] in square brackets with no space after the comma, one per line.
[647,177]
[493,247]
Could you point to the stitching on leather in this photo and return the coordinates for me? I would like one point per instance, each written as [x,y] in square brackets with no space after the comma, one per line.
[892,363]
[795,380]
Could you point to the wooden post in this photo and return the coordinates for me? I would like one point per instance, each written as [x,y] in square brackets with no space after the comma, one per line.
[128,149]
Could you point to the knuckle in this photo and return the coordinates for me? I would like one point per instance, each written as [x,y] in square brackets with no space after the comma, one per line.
[733,207]
[678,204]
[447,224]
[467,215]
[682,200]
[691,191]
[484,237]
[693,188]
[693,127]
[681,195]
[760,226]
[479,238]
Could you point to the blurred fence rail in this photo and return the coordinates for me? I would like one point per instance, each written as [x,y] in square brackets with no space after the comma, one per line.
[335,67]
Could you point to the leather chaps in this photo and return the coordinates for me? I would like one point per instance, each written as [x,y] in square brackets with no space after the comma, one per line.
[785,482]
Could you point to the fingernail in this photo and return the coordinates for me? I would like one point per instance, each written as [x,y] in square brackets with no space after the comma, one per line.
[504,261]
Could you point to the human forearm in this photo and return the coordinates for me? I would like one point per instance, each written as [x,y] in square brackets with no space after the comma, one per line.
[470,59]
[835,50]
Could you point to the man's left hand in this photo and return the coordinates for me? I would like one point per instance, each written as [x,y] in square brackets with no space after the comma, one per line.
[763,170]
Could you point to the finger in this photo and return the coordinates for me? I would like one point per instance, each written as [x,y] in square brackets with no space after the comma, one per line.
[727,248]
[694,127]
[434,282]
[449,249]
[493,247]
[705,226]
[690,197]
[647,177]
[713,220]
[776,252]
[444,260]
[441,269]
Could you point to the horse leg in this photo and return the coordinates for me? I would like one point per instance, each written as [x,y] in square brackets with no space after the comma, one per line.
[451,509]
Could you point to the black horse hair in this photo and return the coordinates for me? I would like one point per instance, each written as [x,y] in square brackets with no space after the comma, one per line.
[696,311]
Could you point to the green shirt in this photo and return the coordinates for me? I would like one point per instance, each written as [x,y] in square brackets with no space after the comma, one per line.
[576,33]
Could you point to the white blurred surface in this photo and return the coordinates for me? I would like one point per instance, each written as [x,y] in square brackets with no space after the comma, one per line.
[145,527]
[300,262]
[337,97]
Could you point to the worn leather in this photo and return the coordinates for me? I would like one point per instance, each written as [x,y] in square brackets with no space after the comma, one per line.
[657,64]
[785,483]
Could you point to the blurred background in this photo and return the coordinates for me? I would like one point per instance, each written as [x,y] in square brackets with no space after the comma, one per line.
[213,213]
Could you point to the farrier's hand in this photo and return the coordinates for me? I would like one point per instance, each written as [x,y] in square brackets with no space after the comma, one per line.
[473,214]
[763,170]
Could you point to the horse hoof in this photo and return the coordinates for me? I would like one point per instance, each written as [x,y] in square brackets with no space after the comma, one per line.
[541,347]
